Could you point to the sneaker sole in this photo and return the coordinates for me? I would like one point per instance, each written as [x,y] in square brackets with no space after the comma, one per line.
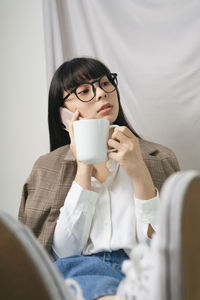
[180,236]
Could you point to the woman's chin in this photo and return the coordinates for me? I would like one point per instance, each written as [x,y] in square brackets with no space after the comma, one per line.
[109,118]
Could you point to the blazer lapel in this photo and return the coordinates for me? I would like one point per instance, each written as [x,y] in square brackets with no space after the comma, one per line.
[148,148]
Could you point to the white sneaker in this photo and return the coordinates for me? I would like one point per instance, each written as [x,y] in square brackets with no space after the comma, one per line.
[170,268]
[75,287]
[137,270]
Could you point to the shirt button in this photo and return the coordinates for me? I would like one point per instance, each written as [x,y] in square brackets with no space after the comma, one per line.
[144,219]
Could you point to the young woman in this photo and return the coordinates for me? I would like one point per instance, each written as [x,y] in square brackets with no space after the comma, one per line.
[89,217]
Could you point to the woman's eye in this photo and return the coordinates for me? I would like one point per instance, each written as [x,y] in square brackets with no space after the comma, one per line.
[83,92]
[105,83]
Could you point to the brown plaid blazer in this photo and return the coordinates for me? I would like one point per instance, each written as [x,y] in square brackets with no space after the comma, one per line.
[52,175]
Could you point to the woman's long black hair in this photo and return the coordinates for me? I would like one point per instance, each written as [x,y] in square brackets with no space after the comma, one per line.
[68,76]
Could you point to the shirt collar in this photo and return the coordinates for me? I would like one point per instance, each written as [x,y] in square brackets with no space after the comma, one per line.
[113,167]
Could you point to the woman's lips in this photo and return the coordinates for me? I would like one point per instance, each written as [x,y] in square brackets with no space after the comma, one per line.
[105,110]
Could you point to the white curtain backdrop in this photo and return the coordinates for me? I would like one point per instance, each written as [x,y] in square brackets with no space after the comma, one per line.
[154,46]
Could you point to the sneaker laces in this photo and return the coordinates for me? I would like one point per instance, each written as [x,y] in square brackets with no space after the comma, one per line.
[137,271]
[75,289]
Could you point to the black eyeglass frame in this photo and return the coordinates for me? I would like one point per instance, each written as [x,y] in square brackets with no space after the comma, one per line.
[113,77]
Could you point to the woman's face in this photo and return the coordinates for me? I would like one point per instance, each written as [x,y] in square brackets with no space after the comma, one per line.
[102,106]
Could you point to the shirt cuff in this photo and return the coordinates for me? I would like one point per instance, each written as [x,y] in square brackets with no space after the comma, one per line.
[80,198]
[147,211]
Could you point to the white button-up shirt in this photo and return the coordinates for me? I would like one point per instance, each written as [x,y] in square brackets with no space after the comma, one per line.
[107,217]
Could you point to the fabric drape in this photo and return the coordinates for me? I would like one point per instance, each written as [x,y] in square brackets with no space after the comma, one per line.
[154,46]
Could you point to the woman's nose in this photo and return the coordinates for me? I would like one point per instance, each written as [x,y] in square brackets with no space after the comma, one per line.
[99,93]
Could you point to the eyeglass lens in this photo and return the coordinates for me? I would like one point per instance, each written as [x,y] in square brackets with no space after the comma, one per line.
[86,92]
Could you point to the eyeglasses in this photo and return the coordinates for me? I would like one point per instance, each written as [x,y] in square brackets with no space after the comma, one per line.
[85,92]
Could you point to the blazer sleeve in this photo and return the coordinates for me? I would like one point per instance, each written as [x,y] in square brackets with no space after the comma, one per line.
[43,195]
[35,212]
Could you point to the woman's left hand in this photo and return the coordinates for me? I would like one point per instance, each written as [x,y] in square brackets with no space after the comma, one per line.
[128,152]
[129,156]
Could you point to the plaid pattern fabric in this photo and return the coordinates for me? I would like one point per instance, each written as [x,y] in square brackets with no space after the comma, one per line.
[46,188]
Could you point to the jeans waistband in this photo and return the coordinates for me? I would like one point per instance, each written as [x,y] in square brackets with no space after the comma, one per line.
[116,256]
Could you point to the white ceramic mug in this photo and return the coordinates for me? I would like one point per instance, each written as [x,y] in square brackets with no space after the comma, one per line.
[91,138]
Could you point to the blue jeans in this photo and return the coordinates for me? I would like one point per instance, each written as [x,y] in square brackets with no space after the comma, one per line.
[98,274]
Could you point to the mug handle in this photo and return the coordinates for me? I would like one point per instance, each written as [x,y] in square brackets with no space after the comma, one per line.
[112,126]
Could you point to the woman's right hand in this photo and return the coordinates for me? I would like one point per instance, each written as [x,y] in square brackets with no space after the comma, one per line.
[84,171]
[71,132]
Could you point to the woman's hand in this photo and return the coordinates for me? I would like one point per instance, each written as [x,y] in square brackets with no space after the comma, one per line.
[129,156]
[71,132]
[84,171]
